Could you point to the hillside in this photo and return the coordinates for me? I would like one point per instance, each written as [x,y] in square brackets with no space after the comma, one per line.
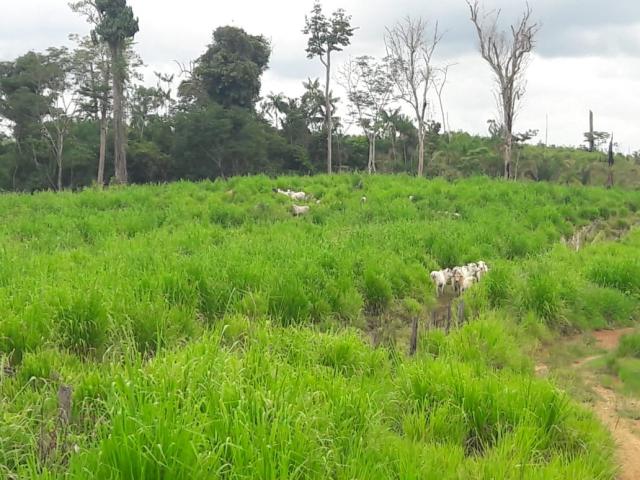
[193,330]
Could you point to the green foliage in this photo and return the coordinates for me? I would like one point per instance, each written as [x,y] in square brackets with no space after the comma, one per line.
[327,35]
[230,70]
[212,142]
[117,22]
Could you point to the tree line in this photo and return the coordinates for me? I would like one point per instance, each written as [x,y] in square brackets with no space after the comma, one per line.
[80,116]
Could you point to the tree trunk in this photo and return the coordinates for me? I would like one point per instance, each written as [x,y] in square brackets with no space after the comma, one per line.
[394,152]
[592,141]
[120,151]
[59,161]
[328,113]
[369,155]
[508,143]
[421,149]
[373,154]
[103,148]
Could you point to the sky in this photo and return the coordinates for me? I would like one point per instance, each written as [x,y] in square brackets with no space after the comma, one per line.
[587,55]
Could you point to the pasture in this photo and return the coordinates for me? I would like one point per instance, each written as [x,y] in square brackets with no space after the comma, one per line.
[193,331]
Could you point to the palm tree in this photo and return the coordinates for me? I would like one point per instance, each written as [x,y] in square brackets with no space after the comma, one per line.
[313,100]
[274,105]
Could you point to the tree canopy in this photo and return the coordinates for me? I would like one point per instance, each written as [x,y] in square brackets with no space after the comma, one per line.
[230,70]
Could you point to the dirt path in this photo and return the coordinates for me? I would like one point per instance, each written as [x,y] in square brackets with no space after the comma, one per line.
[609,339]
[626,432]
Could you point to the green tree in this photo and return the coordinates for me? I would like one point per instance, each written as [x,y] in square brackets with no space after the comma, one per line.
[116,26]
[145,105]
[230,70]
[314,102]
[327,35]
[30,89]
[273,108]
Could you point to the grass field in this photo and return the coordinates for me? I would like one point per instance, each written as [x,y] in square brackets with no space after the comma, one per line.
[200,331]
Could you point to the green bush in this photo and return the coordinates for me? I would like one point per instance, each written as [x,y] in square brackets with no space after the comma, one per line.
[629,346]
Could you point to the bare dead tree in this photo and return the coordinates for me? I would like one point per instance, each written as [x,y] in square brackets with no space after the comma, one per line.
[55,130]
[369,88]
[508,54]
[439,81]
[410,51]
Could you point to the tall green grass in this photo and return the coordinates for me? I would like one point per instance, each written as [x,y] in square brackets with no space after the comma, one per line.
[207,333]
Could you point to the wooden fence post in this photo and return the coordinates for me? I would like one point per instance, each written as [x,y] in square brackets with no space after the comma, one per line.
[461,313]
[414,337]
[64,404]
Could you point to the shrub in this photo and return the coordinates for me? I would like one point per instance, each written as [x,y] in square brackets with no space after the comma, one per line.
[629,346]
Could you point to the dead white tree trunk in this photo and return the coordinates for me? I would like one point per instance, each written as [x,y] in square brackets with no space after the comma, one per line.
[507,53]
[411,52]
[439,83]
[369,90]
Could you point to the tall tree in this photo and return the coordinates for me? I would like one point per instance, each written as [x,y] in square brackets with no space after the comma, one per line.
[411,53]
[327,35]
[92,72]
[507,53]
[230,71]
[61,112]
[115,27]
[369,87]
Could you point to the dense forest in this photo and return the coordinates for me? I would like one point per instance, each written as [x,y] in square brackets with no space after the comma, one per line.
[73,117]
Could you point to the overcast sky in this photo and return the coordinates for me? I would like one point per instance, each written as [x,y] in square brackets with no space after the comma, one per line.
[588,54]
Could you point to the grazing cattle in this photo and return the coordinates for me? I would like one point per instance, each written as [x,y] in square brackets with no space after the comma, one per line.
[297,196]
[440,280]
[300,210]
[463,278]
[467,283]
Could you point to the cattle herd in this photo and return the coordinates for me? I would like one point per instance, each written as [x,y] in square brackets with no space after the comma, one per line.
[460,278]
